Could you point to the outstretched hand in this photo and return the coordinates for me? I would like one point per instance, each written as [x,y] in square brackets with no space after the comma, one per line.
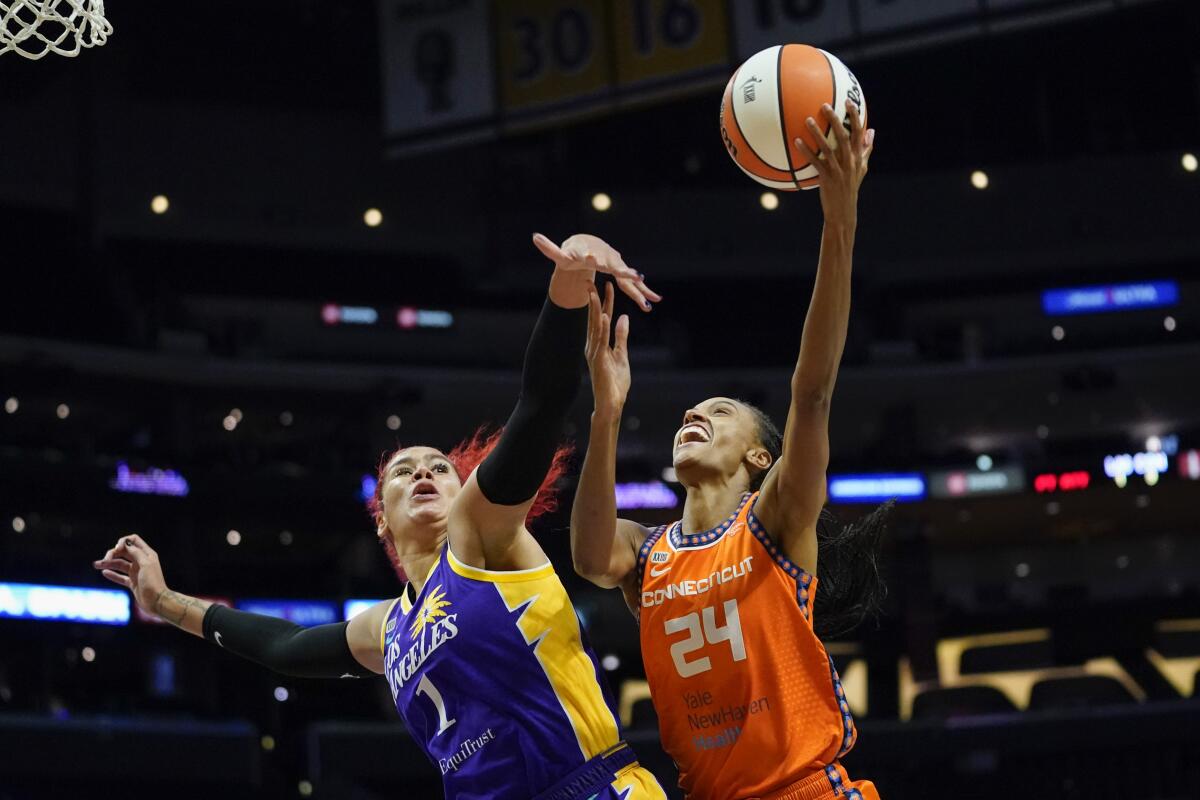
[584,252]
[132,564]
[842,166]
[608,366]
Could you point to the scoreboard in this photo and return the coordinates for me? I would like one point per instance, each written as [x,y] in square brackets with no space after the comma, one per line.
[457,70]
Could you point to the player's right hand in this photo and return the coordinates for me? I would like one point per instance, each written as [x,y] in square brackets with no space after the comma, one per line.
[586,252]
[608,366]
[132,564]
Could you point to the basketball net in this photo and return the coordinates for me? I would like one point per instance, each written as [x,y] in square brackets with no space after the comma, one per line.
[33,28]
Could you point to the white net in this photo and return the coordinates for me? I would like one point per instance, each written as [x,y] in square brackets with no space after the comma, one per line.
[33,28]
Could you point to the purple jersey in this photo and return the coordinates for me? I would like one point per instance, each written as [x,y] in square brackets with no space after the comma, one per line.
[494,678]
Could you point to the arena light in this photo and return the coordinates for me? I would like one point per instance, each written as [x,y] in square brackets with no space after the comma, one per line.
[88,654]
[64,603]
[1169,323]
[366,488]
[392,422]
[166,482]
[334,314]
[1149,465]
[63,411]
[302,612]
[1189,464]
[233,538]
[229,423]
[352,608]
[1058,333]
[159,204]
[1110,297]
[1189,162]
[769,201]
[648,494]
[876,487]
[1167,443]
[979,179]
[1073,481]
[408,318]
[18,524]
[966,483]
[286,418]
[601,201]
[11,405]
[373,217]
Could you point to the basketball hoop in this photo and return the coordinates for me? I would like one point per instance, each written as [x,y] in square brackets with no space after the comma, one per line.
[33,28]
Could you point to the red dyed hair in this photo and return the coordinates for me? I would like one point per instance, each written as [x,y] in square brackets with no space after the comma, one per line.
[465,457]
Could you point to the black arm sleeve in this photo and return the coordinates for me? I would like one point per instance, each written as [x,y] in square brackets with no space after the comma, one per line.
[512,473]
[319,652]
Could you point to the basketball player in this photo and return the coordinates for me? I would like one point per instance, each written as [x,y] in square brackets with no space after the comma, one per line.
[483,651]
[749,703]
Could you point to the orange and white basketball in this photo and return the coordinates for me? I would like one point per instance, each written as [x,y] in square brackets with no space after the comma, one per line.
[766,103]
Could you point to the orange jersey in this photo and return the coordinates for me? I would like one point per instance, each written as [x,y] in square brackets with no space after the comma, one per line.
[748,700]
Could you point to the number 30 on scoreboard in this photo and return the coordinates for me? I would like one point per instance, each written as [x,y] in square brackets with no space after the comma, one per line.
[551,52]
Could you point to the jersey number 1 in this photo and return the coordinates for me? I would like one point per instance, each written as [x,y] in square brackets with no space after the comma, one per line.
[701,627]
[426,687]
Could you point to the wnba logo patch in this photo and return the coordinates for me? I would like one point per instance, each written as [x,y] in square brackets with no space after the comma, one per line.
[748,89]
[659,558]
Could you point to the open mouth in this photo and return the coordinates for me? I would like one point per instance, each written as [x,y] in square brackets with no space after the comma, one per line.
[694,433]
[424,490]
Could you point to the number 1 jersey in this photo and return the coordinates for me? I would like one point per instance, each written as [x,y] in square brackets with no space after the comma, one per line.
[498,684]
[748,700]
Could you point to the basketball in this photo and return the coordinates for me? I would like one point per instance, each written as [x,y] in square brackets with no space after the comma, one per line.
[766,103]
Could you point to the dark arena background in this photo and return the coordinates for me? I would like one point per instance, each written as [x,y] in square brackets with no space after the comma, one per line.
[246,248]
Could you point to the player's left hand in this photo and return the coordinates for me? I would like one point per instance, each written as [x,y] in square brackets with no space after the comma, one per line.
[584,252]
[843,166]
[608,365]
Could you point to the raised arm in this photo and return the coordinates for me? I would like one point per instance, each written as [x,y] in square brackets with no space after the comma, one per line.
[487,520]
[794,490]
[604,548]
[338,650]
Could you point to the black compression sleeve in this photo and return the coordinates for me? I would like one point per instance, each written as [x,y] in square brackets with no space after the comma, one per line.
[320,652]
[512,473]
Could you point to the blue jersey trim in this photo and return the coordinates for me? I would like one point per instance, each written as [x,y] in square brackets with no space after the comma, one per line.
[804,579]
[680,541]
[644,551]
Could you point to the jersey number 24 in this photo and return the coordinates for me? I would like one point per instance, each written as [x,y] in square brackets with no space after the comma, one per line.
[701,627]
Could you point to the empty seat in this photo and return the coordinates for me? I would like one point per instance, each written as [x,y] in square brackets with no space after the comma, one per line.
[1085,691]
[1007,657]
[960,701]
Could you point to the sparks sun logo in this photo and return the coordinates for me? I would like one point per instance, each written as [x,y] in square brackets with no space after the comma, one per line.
[430,611]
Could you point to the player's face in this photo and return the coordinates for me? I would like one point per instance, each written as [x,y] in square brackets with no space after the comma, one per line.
[419,484]
[715,436]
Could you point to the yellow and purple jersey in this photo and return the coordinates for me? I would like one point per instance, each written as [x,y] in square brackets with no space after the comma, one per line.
[496,681]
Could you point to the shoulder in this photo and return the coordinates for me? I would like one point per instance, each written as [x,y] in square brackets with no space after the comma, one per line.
[364,634]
